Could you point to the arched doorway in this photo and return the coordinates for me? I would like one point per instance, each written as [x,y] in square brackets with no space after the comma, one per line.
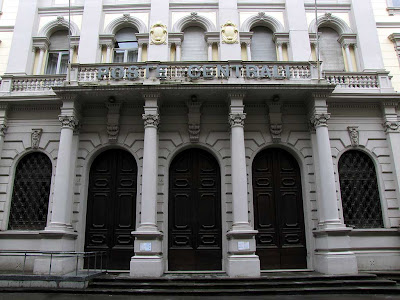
[111,207]
[278,210]
[194,235]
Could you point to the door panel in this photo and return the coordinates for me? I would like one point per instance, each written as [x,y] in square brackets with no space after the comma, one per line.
[111,208]
[194,212]
[278,211]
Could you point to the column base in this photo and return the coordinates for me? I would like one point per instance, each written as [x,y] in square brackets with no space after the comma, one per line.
[148,260]
[333,252]
[243,266]
[242,260]
[146,266]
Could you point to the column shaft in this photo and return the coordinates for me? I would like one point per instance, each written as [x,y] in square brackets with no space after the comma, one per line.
[40,62]
[210,52]
[248,49]
[178,52]
[280,52]
[348,57]
[139,55]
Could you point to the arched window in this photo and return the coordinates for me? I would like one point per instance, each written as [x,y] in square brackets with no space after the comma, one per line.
[126,46]
[359,190]
[57,61]
[330,50]
[30,198]
[262,45]
[194,46]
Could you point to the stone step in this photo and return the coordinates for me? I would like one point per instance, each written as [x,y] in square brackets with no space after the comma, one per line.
[253,291]
[235,285]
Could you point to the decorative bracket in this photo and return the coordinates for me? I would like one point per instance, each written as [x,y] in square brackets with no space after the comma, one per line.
[113,121]
[35,137]
[275,121]
[194,116]
[354,135]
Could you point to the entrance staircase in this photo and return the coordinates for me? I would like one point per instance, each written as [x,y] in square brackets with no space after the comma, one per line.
[268,284]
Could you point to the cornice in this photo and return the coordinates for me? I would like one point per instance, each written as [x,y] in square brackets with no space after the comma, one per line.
[6,28]
[127,8]
[57,10]
[353,105]
[34,107]
[387,24]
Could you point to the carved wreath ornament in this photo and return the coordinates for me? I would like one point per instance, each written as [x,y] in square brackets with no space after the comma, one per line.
[229,33]
[158,34]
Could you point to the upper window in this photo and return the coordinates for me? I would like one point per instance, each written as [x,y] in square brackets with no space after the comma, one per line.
[330,50]
[194,46]
[359,190]
[126,46]
[30,198]
[262,45]
[396,3]
[57,61]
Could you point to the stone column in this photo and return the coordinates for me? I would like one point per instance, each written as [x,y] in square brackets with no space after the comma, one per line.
[210,52]
[392,130]
[280,51]
[40,61]
[62,198]
[348,57]
[108,53]
[242,261]
[140,50]
[26,26]
[178,50]
[148,261]
[248,49]
[89,40]
[332,242]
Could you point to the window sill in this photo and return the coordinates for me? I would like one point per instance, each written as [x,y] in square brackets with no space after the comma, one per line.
[32,234]
[376,232]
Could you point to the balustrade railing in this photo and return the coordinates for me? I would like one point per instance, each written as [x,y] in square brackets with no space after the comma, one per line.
[36,83]
[353,80]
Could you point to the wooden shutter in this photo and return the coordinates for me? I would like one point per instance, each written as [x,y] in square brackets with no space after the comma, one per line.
[59,40]
[194,46]
[262,46]
[330,50]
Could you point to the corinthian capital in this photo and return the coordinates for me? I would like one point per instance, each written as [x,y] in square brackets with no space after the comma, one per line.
[319,120]
[237,119]
[68,121]
[151,120]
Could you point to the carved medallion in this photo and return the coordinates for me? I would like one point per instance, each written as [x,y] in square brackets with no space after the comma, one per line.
[158,34]
[229,33]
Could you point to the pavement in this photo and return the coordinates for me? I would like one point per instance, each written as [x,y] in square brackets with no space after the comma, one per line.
[51,296]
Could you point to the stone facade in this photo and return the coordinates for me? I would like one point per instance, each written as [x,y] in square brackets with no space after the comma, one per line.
[170,107]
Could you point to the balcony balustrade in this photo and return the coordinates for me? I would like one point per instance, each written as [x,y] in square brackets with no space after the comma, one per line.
[231,72]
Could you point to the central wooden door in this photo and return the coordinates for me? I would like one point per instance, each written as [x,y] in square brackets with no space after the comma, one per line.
[278,211]
[194,236]
[111,208]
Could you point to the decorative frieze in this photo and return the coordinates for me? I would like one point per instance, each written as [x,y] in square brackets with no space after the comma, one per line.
[354,135]
[35,137]
[237,119]
[68,121]
[151,120]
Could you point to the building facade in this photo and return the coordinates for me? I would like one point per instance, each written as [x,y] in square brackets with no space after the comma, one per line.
[201,135]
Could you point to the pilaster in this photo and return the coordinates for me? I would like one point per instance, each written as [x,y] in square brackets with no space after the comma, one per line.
[148,261]
[242,260]
[159,16]
[228,17]
[91,22]
[391,126]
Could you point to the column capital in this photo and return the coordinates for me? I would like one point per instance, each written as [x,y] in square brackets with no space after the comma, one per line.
[237,119]
[3,129]
[391,126]
[151,120]
[320,120]
[70,122]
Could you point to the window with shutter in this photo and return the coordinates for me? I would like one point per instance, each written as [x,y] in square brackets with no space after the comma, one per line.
[262,45]
[126,46]
[330,50]
[57,61]
[194,46]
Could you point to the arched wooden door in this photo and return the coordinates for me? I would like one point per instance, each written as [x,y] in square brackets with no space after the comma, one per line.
[194,235]
[111,208]
[278,211]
